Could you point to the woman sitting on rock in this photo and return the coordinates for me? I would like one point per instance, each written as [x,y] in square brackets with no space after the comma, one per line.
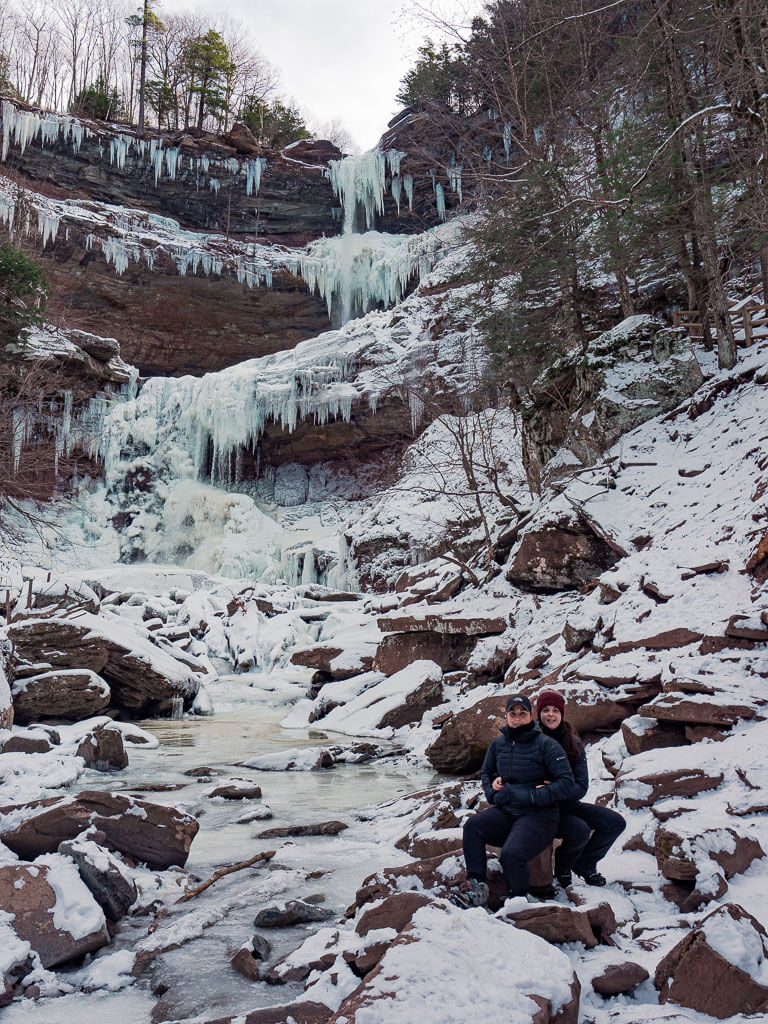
[524,776]
[587,831]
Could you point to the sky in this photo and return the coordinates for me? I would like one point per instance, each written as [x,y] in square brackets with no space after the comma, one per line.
[339,59]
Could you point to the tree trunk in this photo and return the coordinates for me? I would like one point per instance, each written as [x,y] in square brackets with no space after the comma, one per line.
[143,69]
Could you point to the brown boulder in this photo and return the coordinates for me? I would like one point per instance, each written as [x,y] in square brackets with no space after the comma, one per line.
[561,558]
[103,749]
[556,923]
[641,734]
[447,625]
[27,745]
[434,874]
[669,639]
[242,139]
[398,650]
[619,978]
[639,790]
[690,710]
[38,896]
[160,836]
[394,911]
[691,856]
[319,151]
[319,658]
[746,627]
[757,564]
[71,694]
[306,1012]
[59,643]
[422,698]
[463,740]
[698,972]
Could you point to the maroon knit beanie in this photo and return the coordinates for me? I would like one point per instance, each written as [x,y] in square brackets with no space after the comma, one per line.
[552,699]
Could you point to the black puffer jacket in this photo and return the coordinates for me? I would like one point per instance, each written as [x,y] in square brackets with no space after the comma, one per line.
[576,754]
[525,760]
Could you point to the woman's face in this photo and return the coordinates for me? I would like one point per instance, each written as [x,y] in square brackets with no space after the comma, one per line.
[550,716]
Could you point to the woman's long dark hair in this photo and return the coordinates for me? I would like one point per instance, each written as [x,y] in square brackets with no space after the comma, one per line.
[568,739]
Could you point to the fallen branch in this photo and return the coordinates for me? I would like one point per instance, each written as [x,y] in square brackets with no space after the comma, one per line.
[221,872]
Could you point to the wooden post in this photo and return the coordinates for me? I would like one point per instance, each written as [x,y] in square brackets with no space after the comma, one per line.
[746,315]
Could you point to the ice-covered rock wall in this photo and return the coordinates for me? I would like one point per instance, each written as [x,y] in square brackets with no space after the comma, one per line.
[22,128]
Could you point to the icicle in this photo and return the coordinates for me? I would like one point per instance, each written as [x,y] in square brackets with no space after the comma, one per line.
[374,268]
[397,186]
[254,169]
[214,185]
[440,200]
[360,180]
[47,226]
[507,136]
[408,186]
[156,157]
[171,162]
[454,178]
[118,150]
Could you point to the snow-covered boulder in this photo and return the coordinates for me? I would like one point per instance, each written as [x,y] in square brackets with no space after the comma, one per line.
[160,836]
[52,909]
[427,964]
[719,968]
[72,694]
[104,875]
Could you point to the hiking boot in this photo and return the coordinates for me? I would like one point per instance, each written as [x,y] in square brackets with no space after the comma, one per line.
[564,878]
[473,894]
[594,878]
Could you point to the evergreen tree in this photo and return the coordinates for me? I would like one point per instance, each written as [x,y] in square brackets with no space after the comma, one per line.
[275,124]
[23,289]
[208,64]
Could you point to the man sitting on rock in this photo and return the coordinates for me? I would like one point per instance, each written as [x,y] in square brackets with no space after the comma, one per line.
[524,776]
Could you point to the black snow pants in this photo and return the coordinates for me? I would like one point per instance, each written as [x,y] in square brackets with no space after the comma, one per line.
[588,832]
[521,839]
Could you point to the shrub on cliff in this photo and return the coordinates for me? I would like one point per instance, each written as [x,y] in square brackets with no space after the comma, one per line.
[23,290]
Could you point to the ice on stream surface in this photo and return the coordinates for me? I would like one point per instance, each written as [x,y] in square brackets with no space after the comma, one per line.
[216,924]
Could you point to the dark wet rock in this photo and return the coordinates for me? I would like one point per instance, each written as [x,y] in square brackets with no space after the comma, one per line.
[237,789]
[294,912]
[619,978]
[322,828]
[103,749]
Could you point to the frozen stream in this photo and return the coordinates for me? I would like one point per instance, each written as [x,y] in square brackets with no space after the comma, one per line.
[196,980]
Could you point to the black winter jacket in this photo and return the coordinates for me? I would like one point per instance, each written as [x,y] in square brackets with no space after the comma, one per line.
[577,756]
[525,759]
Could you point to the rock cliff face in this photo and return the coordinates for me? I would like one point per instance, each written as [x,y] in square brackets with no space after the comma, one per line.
[167,322]
[203,183]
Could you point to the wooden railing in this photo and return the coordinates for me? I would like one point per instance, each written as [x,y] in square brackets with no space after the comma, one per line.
[749,318]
